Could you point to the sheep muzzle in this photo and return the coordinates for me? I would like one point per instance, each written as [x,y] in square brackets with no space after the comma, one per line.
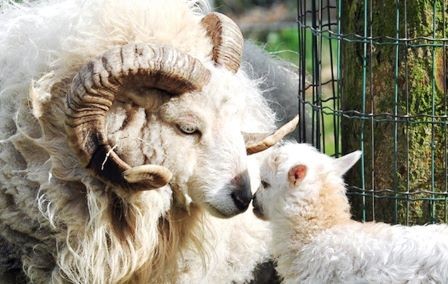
[241,194]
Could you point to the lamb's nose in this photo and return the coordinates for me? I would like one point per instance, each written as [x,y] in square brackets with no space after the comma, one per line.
[241,194]
[254,201]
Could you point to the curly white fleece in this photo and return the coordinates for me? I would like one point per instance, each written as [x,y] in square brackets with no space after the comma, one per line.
[315,241]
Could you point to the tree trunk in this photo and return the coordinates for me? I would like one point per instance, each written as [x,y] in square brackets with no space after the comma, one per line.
[403,135]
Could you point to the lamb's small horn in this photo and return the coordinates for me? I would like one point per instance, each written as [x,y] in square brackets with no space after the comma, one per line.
[274,138]
[94,89]
[226,38]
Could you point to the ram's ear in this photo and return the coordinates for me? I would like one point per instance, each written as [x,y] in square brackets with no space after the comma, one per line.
[344,163]
[296,174]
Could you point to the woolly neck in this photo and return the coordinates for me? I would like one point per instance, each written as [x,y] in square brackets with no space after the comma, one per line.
[300,220]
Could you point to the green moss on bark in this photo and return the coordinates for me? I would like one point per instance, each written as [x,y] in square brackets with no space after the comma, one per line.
[398,155]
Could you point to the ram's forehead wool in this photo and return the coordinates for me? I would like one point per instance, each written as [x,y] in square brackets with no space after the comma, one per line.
[64,223]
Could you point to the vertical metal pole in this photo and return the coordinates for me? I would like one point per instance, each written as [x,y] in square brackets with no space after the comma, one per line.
[433,94]
[395,129]
[363,107]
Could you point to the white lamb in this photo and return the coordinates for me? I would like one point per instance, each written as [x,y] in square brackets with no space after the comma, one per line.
[314,239]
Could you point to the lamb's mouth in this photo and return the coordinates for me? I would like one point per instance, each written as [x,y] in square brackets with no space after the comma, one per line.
[258,212]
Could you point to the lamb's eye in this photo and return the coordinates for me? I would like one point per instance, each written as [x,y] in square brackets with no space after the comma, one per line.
[188,129]
[265,184]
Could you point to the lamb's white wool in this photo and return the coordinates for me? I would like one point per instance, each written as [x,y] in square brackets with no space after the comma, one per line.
[66,224]
[315,241]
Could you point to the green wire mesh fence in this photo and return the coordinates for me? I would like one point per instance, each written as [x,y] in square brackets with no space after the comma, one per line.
[374,78]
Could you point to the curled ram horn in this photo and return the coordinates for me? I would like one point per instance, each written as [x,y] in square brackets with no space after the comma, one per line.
[270,140]
[93,92]
[226,38]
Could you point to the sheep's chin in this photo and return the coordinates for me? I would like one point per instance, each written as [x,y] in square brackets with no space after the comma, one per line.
[219,214]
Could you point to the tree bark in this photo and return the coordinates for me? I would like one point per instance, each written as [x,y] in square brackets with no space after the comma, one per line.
[404,134]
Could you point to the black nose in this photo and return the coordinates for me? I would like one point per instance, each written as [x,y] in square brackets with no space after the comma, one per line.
[242,199]
[241,193]
[254,201]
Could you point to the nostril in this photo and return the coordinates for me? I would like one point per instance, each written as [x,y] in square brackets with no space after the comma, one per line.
[241,191]
[241,199]
[236,180]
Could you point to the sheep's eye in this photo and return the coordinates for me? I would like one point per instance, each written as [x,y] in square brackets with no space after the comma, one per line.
[265,184]
[188,129]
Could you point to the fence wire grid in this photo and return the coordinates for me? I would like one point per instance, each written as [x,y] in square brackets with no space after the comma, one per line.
[373,77]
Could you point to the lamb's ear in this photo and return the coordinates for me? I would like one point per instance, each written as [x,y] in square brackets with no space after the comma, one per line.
[344,163]
[296,174]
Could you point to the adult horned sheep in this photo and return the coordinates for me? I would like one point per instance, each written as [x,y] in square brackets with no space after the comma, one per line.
[102,100]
